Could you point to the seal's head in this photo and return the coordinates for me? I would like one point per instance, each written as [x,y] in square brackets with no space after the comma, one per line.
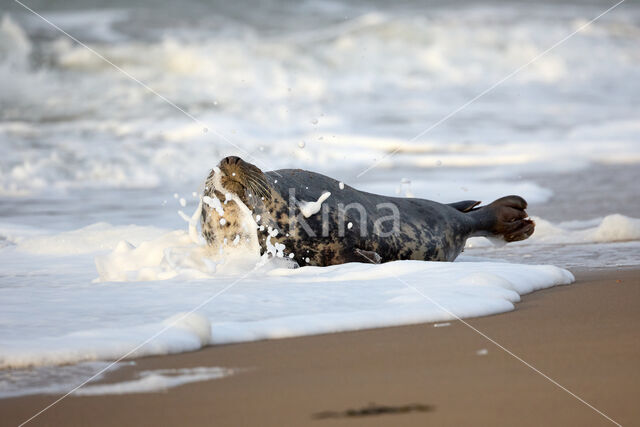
[232,191]
[234,175]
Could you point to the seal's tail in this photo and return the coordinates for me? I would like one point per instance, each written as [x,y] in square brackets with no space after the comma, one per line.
[506,218]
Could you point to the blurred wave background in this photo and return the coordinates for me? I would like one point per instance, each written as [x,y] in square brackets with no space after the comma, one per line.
[331,86]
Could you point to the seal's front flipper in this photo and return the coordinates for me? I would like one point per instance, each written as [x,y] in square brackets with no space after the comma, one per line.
[465,205]
[368,256]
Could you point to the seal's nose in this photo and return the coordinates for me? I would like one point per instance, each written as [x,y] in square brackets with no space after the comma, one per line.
[231,160]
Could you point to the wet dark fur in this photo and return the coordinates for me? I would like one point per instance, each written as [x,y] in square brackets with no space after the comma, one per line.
[427,230]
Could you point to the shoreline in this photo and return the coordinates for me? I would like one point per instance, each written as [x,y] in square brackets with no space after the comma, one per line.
[583,335]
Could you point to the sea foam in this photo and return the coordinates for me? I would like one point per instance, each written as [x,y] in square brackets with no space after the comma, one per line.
[612,228]
[149,290]
[156,380]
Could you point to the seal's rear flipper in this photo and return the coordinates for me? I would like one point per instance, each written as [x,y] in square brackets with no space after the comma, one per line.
[465,205]
[368,256]
[506,218]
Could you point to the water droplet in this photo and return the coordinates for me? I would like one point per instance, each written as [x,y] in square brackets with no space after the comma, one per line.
[314,121]
[205,130]
[301,144]
[438,163]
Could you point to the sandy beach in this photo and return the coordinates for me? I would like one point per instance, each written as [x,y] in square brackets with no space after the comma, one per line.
[584,336]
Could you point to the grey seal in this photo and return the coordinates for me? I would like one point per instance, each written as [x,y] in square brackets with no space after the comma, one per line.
[316,220]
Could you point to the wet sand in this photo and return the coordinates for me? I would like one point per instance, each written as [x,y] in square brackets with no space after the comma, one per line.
[585,336]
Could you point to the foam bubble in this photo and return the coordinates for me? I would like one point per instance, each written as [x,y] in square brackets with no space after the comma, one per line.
[97,237]
[311,208]
[612,228]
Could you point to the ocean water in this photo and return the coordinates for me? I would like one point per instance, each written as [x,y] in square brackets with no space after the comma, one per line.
[94,257]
